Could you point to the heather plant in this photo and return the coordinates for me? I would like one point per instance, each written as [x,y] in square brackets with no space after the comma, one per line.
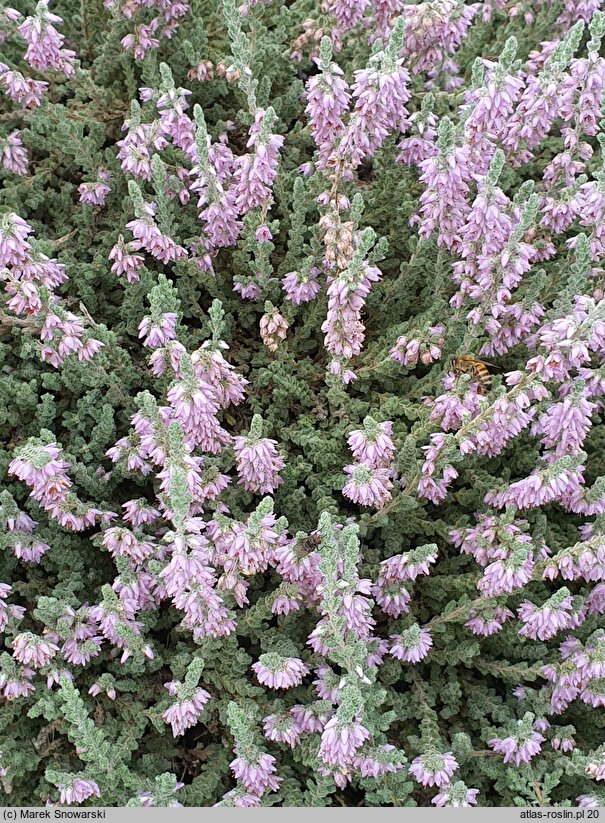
[263,541]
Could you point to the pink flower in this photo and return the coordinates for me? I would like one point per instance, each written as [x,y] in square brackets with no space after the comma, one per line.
[79,790]
[256,773]
[327,100]
[32,650]
[44,43]
[22,90]
[340,741]
[125,261]
[282,729]
[159,331]
[488,622]
[542,623]
[255,173]
[412,645]
[373,445]
[273,328]
[301,287]
[279,672]
[433,769]
[13,155]
[522,745]
[456,796]
[368,486]
[185,713]
[258,464]
[263,235]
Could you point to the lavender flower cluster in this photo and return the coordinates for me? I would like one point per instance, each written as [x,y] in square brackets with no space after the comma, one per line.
[274,531]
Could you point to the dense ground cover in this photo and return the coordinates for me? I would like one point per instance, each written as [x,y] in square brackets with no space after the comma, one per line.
[266,538]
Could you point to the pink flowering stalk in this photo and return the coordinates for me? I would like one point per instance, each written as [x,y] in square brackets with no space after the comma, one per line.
[433,32]
[506,575]
[555,481]
[125,261]
[257,774]
[253,769]
[185,712]
[243,549]
[373,445]
[212,175]
[30,282]
[339,743]
[189,579]
[410,565]
[22,90]
[143,37]
[488,621]
[273,327]
[378,761]
[137,147]
[458,405]
[44,43]
[369,478]
[420,144]
[543,97]
[19,531]
[172,105]
[345,595]
[446,176]
[327,100]
[493,537]
[347,13]
[40,466]
[194,405]
[156,333]
[495,258]
[347,290]
[210,365]
[257,461]
[15,680]
[124,543]
[8,612]
[147,234]
[437,456]
[254,173]
[489,105]
[542,623]
[14,245]
[380,95]
[13,154]
[282,729]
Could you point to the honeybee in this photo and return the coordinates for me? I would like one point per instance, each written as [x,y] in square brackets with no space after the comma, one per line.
[477,369]
[310,542]
[306,543]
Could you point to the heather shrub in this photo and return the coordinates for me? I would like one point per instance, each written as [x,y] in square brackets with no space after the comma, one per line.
[302,365]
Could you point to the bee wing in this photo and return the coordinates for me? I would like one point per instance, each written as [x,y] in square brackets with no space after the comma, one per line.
[491,365]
